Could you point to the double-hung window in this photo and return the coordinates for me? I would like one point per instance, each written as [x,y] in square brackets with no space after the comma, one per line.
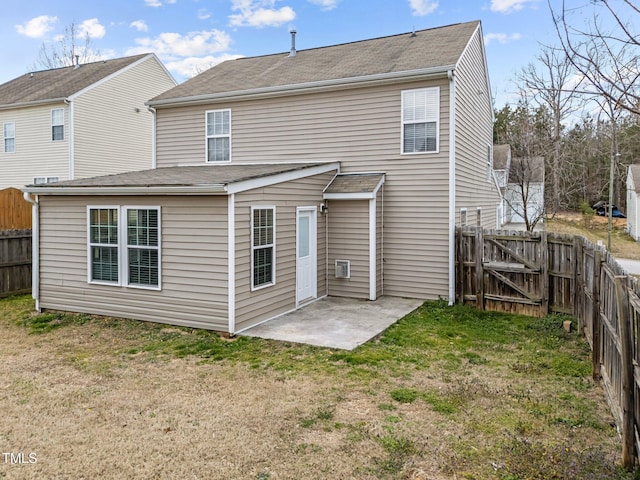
[263,246]
[9,137]
[420,120]
[57,124]
[219,136]
[124,246]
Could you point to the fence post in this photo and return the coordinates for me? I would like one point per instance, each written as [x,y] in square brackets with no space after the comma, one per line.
[460,266]
[626,348]
[479,270]
[544,272]
[595,324]
[578,283]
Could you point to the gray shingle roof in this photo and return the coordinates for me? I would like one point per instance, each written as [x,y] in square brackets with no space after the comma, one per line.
[501,155]
[529,169]
[59,83]
[355,183]
[432,48]
[635,173]
[186,176]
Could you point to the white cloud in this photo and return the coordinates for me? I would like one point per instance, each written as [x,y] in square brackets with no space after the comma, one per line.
[91,28]
[501,38]
[37,27]
[139,25]
[190,66]
[421,8]
[157,3]
[190,45]
[203,14]
[509,6]
[325,4]
[259,13]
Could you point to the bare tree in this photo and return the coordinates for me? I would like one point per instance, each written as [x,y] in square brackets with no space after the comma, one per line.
[525,191]
[68,50]
[606,51]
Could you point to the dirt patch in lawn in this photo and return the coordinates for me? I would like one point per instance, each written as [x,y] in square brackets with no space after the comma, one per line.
[446,393]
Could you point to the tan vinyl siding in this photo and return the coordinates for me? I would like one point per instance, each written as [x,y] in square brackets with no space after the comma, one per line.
[36,155]
[349,240]
[113,127]
[361,128]
[193,262]
[255,306]
[473,137]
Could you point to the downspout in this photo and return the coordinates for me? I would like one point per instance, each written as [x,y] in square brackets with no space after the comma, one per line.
[153,137]
[72,161]
[35,247]
[452,186]
[372,249]
[231,258]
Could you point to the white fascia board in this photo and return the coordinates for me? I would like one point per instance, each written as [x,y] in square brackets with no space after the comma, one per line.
[109,77]
[321,85]
[159,190]
[357,195]
[268,180]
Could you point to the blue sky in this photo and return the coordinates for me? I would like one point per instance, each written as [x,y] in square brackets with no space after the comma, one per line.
[193,34]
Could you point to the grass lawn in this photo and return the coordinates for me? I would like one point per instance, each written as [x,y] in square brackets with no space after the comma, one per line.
[446,393]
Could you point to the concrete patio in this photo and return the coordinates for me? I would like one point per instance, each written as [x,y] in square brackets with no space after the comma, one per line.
[335,322]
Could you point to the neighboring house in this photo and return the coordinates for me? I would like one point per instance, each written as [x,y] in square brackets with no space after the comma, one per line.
[281,179]
[79,121]
[501,166]
[525,191]
[633,195]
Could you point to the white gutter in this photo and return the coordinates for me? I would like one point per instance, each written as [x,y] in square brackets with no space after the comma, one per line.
[452,187]
[35,247]
[215,189]
[389,77]
[154,163]
[10,106]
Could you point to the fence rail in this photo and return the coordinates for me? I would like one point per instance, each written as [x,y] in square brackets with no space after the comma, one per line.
[536,273]
[15,211]
[15,262]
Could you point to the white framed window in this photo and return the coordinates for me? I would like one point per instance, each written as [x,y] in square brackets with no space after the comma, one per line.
[143,246]
[463,217]
[420,120]
[57,124]
[128,255]
[9,133]
[218,135]
[41,180]
[263,246]
[103,245]
[489,162]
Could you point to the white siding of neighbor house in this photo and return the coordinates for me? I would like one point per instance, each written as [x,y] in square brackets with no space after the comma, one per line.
[193,262]
[36,155]
[349,240]
[361,128]
[474,134]
[252,307]
[113,129]
[633,213]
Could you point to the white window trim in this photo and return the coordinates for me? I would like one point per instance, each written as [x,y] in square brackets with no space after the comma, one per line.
[207,137]
[58,125]
[123,247]
[463,215]
[4,139]
[489,162]
[125,244]
[45,178]
[273,245]
[403,123]
[90,245]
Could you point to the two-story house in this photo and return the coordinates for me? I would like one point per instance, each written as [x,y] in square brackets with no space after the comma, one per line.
[282,179]
[79,121]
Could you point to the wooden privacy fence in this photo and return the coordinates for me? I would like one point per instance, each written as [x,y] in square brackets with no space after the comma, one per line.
[15,211]
[539,273]
[15,262]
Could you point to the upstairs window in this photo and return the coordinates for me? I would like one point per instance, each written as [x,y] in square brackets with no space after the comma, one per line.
[263,242]
[420,120]
[57,124]
[219,136]
[43,180]
[9,137]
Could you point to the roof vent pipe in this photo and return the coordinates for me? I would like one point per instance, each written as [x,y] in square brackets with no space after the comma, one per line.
[77,61]
[293,44]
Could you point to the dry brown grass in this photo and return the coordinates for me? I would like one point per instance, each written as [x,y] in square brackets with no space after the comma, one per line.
[596,229]
[89,407]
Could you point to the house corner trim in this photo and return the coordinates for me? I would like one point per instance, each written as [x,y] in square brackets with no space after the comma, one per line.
[231,256]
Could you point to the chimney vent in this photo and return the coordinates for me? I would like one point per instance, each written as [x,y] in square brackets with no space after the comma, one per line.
[293,44]
[77,61]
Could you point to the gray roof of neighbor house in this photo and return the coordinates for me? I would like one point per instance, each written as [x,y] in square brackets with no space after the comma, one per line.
[529,169]
[355,183]
[635,174]
[437,49]
[59,83]
[185,176]
[501,154]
